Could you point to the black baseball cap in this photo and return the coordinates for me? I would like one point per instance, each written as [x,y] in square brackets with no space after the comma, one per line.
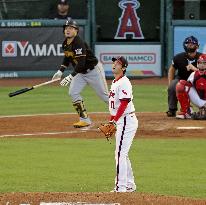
[122,60]
[64,2]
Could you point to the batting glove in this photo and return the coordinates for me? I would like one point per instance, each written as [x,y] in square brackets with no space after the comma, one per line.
[57,75]
[67,80]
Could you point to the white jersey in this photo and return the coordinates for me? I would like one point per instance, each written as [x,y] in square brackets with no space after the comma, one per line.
[191,77]
[120,89]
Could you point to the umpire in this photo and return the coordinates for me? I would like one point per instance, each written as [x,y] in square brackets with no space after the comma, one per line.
[182,66]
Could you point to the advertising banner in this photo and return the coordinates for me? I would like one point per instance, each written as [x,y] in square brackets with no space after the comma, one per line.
[144,60]
[30,49]
[182,32]
[37,49]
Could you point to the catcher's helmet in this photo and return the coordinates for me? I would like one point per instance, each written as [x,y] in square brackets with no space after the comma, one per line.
[71,23]
[190,44]
[201,63]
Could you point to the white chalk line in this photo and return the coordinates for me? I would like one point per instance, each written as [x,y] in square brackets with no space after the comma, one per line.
[47,114]
[190,128]
[41,133]
[63,113]
[83,130]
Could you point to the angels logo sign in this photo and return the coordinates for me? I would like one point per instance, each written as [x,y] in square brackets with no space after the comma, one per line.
[129,21]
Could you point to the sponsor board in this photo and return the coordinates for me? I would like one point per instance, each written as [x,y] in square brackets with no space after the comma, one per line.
[182,32]
[9,49]
[132,58]
[9,75]
[144,60]
[31,49]
[25,48]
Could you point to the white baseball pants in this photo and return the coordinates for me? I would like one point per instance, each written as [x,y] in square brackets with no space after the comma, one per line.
[126,129]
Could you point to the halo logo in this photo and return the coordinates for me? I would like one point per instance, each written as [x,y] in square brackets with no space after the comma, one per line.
[129,21]
[9,49]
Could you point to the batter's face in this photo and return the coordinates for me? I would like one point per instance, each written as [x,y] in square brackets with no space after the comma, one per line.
[70,32]
[117,68]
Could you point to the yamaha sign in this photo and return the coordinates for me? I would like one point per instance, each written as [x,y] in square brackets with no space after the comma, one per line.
[24,48]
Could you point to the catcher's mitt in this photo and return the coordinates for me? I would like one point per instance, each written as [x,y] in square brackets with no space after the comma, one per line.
[108,129]
[200,115]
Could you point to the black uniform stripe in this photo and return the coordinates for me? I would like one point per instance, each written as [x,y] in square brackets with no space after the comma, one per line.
[120,146]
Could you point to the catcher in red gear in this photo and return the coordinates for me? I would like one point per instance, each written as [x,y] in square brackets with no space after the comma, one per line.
[193,90]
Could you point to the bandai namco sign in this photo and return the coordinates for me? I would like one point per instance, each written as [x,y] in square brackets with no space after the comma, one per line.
[129,22]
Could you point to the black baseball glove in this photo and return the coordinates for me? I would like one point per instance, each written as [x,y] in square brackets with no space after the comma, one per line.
[200,115]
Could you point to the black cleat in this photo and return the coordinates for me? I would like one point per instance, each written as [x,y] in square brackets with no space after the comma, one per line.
[171,113]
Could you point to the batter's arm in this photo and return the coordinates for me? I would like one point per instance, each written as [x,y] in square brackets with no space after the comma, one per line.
[65,64]
[80,66]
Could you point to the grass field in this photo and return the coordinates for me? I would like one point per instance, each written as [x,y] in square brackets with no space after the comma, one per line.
[161,166]
[55,99]
[169,167]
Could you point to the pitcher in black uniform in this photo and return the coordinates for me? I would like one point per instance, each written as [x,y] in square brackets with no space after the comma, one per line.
[87,70]
[182,66]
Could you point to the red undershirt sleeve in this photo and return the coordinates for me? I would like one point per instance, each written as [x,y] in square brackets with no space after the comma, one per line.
[121,109]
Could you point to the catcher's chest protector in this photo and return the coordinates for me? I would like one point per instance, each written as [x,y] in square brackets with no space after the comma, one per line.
[200,85]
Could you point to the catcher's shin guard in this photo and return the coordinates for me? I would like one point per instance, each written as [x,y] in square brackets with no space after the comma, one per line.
[80,108]
[182,95]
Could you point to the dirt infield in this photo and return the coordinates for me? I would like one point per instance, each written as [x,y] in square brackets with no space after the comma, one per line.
[95,198]
[152,125]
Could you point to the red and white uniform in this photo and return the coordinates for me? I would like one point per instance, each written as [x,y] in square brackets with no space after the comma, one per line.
[197,92]
[194,89]
[122,111]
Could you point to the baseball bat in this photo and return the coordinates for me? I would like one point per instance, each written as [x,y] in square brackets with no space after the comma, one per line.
[24,90]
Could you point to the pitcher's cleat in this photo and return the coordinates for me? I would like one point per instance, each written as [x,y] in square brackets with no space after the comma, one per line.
[130,189]
[118,191]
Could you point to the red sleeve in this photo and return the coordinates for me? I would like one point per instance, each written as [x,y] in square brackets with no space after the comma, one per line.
[121,109]
[111,117]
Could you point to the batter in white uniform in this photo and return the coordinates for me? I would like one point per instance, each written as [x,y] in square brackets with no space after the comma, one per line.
[123,115]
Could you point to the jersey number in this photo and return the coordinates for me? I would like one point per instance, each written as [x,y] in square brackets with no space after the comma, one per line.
[112,105]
